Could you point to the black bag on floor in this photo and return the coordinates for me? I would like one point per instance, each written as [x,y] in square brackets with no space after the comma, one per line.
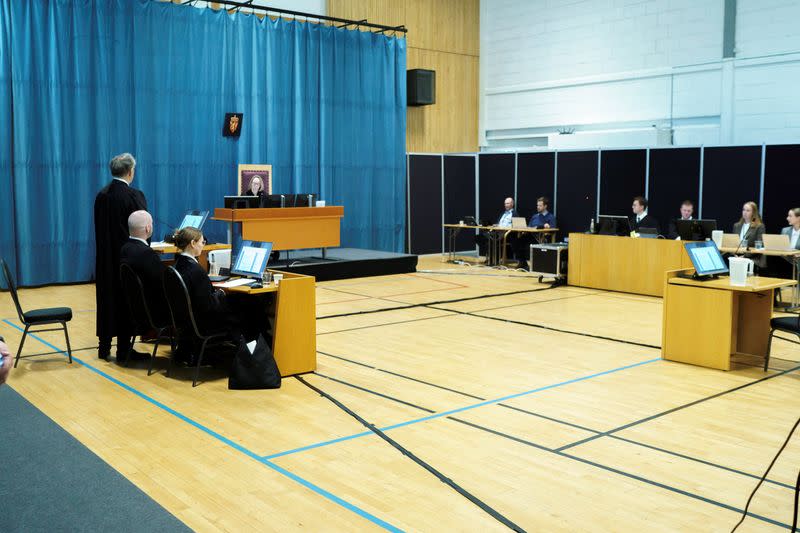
[256,370]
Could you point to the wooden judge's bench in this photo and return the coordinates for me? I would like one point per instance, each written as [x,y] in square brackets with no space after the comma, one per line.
[287,228]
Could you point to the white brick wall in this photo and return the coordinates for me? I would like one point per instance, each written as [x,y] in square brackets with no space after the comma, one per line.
[620,66]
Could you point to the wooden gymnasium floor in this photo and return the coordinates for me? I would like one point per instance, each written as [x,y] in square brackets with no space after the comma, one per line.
[549,406]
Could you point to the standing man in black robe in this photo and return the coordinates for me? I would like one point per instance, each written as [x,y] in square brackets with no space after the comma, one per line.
[112,207]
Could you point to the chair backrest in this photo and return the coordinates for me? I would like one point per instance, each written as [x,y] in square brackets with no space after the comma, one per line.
[12,288]
[133,289]
[180,304]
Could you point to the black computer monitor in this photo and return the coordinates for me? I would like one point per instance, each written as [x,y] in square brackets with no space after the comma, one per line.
[613,225]
[194,218]
[252,259]
[242,202]
[695,230]
[289,200]
[706,259]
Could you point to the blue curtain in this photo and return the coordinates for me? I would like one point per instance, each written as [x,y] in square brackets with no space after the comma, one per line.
[83,80]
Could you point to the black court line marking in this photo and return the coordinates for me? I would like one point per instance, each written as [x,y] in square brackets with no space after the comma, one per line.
[624,473]
[379,394]
[385,324]
[570,424]
[405,377]
[549,328]
[441,302]
[674,409]
[427,466]
[592,463]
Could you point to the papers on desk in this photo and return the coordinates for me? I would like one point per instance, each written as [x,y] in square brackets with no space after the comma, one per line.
[235,283]
[160,244]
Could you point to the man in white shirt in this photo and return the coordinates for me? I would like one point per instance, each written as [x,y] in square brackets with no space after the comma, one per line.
[508,214]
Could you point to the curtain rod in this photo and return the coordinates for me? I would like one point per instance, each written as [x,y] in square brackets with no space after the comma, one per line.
[344,22]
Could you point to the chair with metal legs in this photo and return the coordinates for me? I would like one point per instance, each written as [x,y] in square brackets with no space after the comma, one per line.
[787,324]
[37,317]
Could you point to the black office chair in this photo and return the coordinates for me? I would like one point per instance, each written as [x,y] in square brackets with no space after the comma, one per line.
[180,308]
[789,324]
[142,318]
[37,317]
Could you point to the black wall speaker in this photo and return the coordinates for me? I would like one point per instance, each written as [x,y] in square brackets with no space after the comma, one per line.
[421,87]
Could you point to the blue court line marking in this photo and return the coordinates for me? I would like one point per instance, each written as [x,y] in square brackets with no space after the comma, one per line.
[238,447]
[460,409]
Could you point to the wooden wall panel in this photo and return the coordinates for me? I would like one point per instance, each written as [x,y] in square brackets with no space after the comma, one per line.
[443,35]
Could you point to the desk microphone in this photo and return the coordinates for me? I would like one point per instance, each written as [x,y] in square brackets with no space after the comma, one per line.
[741,241]
[169,237]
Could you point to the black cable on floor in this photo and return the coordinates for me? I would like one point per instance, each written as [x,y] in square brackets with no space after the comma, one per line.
[760,481]
[444,479]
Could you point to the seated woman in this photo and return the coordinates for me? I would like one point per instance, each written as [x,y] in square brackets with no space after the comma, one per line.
[750,229]
[793,229]
[211,310]
[214,311]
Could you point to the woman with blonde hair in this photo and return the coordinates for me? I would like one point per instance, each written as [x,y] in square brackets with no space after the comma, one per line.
[750,229]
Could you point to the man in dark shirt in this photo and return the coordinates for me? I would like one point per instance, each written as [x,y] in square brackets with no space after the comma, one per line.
[543,217]
[112,207]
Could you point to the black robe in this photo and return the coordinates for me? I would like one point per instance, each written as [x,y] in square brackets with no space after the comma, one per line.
[148,266]
[112,207]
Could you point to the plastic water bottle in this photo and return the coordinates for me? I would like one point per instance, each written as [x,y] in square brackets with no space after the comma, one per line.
[591,226]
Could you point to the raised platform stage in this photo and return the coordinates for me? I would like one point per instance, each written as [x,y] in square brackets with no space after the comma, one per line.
[345,263]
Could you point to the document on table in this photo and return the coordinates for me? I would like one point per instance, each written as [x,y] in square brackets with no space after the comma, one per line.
[235,283]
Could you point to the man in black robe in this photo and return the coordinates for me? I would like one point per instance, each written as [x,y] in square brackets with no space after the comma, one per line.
[146,263]
[112,207]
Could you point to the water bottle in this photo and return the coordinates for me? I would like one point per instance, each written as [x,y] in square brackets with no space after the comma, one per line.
[591,226]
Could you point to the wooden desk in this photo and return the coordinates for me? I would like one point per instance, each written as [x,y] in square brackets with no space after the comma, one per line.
[288,228]
[623,264]
[705,322]
[793,256]
[202,259]
[294,321]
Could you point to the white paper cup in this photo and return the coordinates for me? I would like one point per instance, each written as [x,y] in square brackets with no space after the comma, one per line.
[277,278]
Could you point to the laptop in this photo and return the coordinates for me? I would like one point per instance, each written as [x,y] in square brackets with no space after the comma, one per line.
[648,233]
[730,240]
[251,261]
[519,222]
[777,242]
[194,218]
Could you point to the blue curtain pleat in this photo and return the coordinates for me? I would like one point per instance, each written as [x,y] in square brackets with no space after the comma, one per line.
[83,80]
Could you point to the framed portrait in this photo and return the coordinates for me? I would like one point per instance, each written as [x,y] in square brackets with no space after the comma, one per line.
[254,180]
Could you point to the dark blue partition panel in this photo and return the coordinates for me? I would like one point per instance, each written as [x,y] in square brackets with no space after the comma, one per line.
[622,176]
[459,195]
[731,177]
[576,199]
[425,204]
[535,178]
[781,184]
[496,184]
[674,177]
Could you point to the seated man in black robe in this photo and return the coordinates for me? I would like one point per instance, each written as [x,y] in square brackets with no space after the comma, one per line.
[146,263]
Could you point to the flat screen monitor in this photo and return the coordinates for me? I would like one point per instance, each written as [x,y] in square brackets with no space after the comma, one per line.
[194,218]
[706,259]
[289,200]
[613,225]
[695,230]
[251,261]
[242,202]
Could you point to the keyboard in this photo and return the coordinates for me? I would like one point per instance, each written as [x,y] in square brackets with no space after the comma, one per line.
[217,279]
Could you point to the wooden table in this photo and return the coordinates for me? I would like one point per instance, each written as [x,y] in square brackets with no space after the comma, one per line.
[793,256]
[705,322]
[287,228]
[202,259]
[497,236]
[623,264]
[294,321]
